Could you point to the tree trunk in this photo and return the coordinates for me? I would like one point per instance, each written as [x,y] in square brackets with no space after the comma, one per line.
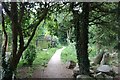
[7,73]
[10,65]
[17,34]
[81,32]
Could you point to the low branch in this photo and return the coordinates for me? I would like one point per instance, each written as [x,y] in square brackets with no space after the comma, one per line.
[95,18]
[21,39]
[35,27]
[31,26]
[99,23]
[106,10]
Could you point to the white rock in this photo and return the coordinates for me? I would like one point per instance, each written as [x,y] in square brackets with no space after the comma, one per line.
[70,64]
[104,68]
[99,76]
[76,69]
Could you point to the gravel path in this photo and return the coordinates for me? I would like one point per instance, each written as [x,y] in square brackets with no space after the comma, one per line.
[55,68]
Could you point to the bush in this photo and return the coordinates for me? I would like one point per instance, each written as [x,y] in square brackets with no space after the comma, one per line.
[29,55]
[43,56]
[69,53]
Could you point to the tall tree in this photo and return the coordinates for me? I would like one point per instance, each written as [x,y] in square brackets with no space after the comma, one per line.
[17,14]
[81,21]
[103,25]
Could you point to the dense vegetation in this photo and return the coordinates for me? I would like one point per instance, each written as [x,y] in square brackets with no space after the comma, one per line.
[69,53]
[87,29]
[41,60]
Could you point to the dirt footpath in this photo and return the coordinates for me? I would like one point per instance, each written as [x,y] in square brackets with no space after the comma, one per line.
[55,68]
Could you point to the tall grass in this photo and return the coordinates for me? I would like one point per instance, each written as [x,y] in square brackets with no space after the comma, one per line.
[69,53]
[44,56]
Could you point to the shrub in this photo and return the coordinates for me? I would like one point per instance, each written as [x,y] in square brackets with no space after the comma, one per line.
[43,56]
[69,53]
[29,55]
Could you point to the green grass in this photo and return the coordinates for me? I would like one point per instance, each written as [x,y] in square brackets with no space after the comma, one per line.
[40,61]
[92,51]
[69,53]
[44,56]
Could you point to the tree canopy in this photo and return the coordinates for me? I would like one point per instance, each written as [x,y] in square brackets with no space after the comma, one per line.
[83,23]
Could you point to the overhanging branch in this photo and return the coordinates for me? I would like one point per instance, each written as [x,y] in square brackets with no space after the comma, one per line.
[95,18]
[106,10]
[35,27]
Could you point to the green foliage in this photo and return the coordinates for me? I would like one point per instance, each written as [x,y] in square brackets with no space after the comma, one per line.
[92,51]
[59,25]
[43,44]
[51,24]
[43,56]
[30,55]
[62,38]
[103,30]
[41,60]
[69,53]
[0,27]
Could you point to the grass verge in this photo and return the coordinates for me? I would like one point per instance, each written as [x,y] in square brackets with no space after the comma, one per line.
[43,56]
[69,53]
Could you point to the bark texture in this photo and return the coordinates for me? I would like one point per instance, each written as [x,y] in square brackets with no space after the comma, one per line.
[81,21]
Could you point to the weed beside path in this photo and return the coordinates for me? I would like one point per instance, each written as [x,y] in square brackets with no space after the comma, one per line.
[41,61]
